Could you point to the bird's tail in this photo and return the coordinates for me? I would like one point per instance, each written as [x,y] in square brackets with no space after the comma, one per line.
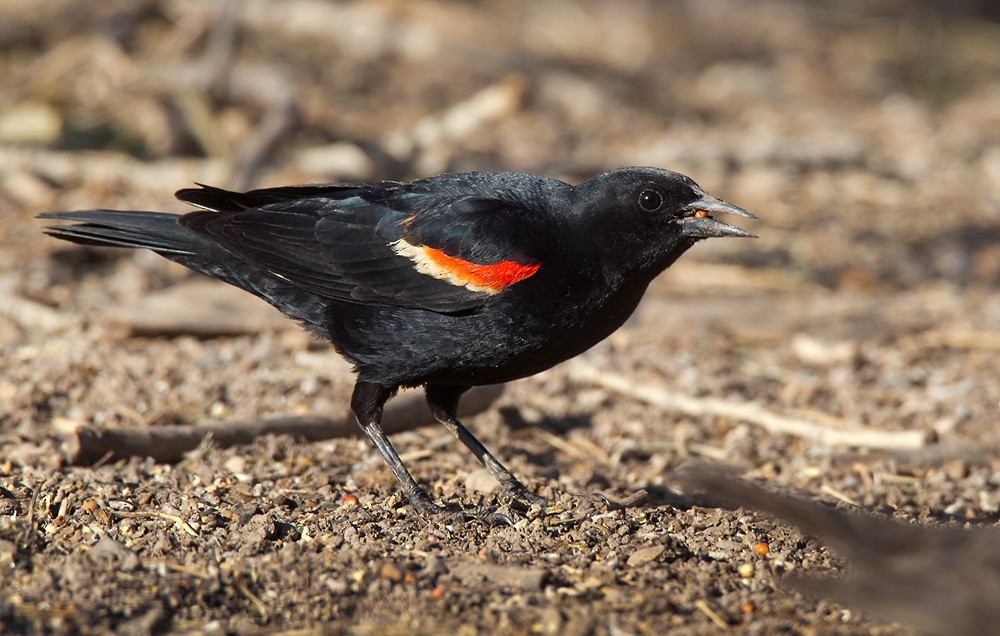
[118,228]
[162,234]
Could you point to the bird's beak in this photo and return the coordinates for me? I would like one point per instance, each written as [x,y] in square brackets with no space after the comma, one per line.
[701,224]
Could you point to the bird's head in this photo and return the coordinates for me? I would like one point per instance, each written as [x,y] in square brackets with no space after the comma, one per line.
[649,216]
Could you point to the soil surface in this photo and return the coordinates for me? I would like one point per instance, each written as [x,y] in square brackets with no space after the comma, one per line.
[866,136]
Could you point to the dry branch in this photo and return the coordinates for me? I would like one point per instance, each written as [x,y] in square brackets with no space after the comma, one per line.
[87,445]
[748,412]
[31,315]
[944,580]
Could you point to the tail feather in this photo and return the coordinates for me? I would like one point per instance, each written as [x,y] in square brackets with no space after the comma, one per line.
[162,234]
[114,228]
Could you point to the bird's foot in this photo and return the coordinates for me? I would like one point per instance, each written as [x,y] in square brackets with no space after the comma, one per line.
[635,500]
[526,501]
[487,515]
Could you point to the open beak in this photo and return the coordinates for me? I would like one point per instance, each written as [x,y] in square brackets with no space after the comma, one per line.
[701,224]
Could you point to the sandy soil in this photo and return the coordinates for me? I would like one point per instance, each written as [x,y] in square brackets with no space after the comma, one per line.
[867,138]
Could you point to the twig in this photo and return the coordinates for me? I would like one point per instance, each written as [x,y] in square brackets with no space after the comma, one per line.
[254,151]
[254,599]
[635,500]
[748,412]
[839,496]
[32,315]
[931,578]
[574,449]
[220,52]
[29,528]
[151,514]
[166,444]
[711,614]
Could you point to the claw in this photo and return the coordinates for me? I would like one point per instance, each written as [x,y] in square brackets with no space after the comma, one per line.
[634,500]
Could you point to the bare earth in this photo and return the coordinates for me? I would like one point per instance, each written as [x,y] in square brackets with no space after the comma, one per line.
[850,355]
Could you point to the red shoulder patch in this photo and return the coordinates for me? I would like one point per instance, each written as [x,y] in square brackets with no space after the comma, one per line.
[490,278]
[493,277]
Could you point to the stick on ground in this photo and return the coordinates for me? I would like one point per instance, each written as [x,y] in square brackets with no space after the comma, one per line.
[661,398]
[935,579]
[406,412]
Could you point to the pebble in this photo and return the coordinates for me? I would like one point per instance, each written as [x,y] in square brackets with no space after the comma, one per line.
[643,556]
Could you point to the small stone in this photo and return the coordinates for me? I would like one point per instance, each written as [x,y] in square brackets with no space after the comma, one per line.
[643,556]
[343,159]
[8,507]
[390,572]
[956,469]
[817,352]
[481,481]
[337,587]
[31,122]
[8,550]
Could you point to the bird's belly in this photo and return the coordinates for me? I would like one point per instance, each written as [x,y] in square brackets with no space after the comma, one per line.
[397,346]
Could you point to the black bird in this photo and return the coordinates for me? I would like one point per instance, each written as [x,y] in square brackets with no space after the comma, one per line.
[449,282]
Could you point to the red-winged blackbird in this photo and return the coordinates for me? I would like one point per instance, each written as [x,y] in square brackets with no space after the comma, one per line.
[449,282]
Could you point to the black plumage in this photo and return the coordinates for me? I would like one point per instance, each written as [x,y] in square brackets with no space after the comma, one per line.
[449,282]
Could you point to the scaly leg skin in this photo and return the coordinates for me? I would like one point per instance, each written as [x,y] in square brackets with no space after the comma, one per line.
[443,401]
[367,403]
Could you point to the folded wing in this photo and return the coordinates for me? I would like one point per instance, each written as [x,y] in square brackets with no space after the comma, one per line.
[379,244]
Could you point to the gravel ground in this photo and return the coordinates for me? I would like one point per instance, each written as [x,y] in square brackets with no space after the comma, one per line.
[865,321]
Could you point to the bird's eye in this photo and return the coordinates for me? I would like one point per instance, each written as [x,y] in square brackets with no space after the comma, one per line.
[650,200]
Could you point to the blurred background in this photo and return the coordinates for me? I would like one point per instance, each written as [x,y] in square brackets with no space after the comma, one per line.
[866,134]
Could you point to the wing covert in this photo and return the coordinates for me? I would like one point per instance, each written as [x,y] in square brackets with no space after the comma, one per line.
[377,246]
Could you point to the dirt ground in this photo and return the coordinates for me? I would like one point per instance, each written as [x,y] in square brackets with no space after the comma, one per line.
[866,135]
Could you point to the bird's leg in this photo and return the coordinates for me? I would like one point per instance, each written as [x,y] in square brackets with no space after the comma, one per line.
[443,401]
[367,402]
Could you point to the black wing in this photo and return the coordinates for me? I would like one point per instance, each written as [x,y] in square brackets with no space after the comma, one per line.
[379,244]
